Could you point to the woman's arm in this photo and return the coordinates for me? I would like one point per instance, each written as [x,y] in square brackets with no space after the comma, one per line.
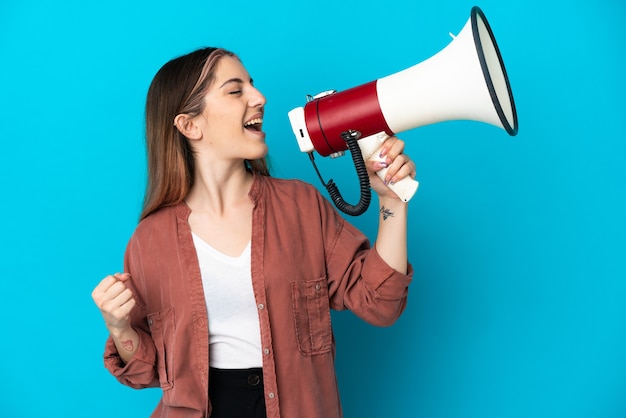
[391,242]
[130,354]
[116,302]
[373,282]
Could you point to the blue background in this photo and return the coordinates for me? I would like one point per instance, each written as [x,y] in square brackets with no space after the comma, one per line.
[518,243]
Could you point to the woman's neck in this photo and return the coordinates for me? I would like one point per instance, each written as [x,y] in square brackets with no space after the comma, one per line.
[217,188]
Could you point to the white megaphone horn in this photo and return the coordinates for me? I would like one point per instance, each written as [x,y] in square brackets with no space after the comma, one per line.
[464,81]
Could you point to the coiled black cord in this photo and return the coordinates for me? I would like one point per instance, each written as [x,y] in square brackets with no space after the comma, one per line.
[351,138]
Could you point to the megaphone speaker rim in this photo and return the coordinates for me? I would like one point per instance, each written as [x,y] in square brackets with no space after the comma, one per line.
[510,126]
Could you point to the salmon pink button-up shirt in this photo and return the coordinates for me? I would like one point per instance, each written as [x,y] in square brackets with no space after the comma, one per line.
[305,260]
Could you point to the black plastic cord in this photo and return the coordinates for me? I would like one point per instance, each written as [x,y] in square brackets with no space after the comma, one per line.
[351,138]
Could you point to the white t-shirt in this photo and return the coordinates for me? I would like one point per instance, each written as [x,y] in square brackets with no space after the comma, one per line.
[234,332]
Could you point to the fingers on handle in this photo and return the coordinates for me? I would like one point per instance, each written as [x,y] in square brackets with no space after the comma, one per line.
[401,167]
[393,147]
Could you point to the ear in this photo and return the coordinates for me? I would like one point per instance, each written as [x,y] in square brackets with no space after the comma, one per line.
[186,125]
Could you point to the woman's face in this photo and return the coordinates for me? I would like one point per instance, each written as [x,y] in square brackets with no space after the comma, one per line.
[232,120]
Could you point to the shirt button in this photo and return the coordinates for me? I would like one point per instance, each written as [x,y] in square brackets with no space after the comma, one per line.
[271,395]
[261,306]
[266,351]
[318,287]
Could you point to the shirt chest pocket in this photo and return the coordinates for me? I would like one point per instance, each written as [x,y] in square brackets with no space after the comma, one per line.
[162,330]
[311,312]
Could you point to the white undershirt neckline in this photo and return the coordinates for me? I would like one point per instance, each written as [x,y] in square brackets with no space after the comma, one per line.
[234,329]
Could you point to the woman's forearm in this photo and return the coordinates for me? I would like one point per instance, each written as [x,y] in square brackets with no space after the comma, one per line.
[391,243]
[126,342]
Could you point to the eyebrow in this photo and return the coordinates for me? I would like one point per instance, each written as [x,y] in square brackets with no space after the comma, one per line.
[234,80]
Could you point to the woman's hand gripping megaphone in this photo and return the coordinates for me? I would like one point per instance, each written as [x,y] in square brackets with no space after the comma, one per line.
[397,172]
[366,152]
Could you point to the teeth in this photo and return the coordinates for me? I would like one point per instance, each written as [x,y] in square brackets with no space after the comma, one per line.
[254,122]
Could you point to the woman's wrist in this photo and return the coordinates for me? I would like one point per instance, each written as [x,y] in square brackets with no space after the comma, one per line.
[119,334]
[393,204]
[126,341]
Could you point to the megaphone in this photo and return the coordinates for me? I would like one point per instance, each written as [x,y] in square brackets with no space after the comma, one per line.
[464,81]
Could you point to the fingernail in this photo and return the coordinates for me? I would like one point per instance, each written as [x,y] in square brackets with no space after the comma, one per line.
[381,164]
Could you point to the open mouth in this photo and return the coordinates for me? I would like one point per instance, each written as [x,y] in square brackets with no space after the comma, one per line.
[254,124]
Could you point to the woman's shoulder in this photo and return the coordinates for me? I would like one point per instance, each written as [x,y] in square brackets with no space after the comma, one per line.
[289,193]
[160,222]
[292,186]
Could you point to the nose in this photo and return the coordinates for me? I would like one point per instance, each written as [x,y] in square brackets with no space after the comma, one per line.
[256,98]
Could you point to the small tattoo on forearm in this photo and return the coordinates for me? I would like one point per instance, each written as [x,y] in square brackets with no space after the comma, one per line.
[386,213]
[128,345]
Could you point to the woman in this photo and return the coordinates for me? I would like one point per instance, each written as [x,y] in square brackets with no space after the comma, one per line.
[231,274]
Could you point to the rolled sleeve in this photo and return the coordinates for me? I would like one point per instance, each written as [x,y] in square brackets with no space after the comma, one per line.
[388,283]
[139,372]
[361,281]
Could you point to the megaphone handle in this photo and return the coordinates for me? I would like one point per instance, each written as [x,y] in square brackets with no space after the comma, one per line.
[370,148]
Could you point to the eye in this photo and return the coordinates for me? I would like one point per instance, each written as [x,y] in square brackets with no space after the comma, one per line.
[235,92]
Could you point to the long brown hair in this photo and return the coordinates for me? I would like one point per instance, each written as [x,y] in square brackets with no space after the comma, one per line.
[178,87]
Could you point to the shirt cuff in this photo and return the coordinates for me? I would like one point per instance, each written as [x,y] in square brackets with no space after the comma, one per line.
[388,283]
[145,354]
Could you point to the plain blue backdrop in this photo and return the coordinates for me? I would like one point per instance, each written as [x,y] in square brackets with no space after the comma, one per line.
[518,305]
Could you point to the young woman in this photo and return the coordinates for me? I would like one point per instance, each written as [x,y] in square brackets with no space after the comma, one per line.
[231,274]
